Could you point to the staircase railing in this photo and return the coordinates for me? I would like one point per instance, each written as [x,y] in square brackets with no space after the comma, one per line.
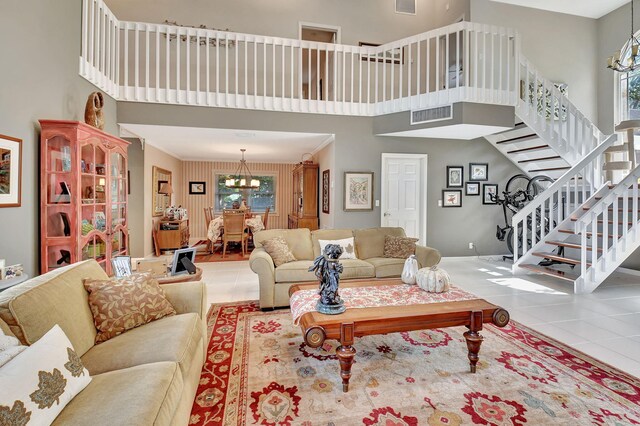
[550,113]
[162,63]
[541,216]
[609,248]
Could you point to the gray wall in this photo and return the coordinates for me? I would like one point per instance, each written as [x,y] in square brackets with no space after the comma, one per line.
[373,21]
[561,46]
[136,199]
[39,47]
[449,230]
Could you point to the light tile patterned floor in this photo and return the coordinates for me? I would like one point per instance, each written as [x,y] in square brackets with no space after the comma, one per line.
[604,324]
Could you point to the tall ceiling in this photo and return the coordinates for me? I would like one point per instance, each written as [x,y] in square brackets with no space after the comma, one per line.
[206,144]
[587,8]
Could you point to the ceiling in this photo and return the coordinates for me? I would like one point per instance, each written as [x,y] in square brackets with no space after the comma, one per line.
[203,144]
[588,8]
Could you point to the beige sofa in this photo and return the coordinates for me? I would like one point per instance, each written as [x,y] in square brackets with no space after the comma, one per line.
[371,263]
[146,376]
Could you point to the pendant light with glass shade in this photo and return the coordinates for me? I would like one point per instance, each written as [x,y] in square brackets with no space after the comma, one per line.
[628,60]
[242,178]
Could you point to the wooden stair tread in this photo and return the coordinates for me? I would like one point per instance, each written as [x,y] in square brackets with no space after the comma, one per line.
[519,139]
[531,160]
[569,245]
[529,149]
[600,221]
[557,258]
[550,271]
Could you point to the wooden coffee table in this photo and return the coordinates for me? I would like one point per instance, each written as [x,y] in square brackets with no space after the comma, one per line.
[317,327]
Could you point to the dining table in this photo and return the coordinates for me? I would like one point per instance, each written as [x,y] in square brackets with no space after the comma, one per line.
[216,226]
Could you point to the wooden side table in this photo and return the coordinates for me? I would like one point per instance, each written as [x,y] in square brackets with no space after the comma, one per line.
[175,234]
[182,278]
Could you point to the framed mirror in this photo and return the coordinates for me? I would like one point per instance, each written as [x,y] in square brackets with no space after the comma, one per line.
[160,201]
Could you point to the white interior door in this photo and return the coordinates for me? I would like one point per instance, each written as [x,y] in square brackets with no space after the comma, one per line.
[404,193]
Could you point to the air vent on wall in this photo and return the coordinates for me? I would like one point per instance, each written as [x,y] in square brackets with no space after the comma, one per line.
[431,114]
[406,6]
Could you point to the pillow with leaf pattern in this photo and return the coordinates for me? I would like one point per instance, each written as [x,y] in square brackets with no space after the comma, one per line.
[41,380]
[347,244]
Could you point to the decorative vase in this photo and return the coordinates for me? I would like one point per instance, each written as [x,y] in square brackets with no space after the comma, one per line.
[93,110]
[410,270]
[433,280]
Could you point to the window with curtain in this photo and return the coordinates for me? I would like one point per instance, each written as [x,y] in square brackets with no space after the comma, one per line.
[258,199]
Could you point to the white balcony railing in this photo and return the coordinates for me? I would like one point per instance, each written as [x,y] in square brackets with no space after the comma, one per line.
[160,63]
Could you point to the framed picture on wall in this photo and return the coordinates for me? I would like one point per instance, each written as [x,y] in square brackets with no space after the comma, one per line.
[455,176]
[10,171]
[451,198]
[489,193]
[326,187]
[479,171]
[358,191]
[197,188]
[472,188]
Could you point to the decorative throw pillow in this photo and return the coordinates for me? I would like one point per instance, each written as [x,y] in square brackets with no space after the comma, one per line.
[347,244]
[9,348]
[399,247]
[39,382]
[120,304]
[279,251]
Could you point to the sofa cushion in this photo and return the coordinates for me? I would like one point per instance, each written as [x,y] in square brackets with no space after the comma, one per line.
[298,240]
[328,234]
[57,297]
[299,271]
[279,251]
[141,395]
[387,267]
[173,338]
[370,242]
[120,304]
[399,247]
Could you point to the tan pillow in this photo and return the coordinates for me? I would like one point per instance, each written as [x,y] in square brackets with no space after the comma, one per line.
[279,251]
[399,247]
[120,304]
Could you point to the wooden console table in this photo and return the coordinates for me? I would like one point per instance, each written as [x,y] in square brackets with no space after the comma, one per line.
[358,322]
[175,238]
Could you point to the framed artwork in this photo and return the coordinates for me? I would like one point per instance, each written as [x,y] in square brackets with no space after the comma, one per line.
[489,193]
[197,188]
[472,188]
[451,198]
[326,185]
[10,171]
[358,191]
[455,176]
[396,56]
[479,171]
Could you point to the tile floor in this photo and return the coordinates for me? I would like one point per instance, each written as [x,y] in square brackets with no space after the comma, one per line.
[604,324]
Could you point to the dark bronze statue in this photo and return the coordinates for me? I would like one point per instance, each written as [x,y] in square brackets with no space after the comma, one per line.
[328,270]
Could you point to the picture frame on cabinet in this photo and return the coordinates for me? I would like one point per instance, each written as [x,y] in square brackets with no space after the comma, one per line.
[10,171]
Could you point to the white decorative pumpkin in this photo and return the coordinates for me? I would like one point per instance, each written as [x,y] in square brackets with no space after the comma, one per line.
[434,279]
[410,270]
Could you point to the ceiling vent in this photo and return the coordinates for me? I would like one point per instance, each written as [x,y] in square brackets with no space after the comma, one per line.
[407,7]
[432,114]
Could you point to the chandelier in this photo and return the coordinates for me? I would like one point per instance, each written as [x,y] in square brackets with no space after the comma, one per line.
[242,178]
[630,60]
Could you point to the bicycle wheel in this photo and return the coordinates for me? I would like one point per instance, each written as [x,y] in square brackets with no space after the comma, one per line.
[537,185]
[517,182]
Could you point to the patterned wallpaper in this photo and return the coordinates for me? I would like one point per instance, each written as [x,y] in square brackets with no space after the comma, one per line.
[205,170]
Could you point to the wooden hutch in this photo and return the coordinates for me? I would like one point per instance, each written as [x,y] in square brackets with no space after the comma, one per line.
[83,195]
[305,197]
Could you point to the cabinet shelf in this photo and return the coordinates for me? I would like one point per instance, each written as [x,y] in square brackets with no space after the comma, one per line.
[70,144]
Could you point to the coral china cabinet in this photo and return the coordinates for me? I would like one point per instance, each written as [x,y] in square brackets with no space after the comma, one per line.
[83,195]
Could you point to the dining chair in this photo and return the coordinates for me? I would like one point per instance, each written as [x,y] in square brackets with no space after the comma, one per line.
[234,230]
[265,218]
[207,221]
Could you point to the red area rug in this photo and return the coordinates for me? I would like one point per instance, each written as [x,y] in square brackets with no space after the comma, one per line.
[259,372]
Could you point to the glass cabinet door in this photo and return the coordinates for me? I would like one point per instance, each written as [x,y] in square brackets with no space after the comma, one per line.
[118,203]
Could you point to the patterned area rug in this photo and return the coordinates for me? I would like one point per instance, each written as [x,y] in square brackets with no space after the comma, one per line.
[234,254]
[259,372]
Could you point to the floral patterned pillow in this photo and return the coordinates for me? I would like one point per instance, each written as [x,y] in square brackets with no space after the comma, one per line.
[399,247]
[39,382]
[120,304]
[279,251]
